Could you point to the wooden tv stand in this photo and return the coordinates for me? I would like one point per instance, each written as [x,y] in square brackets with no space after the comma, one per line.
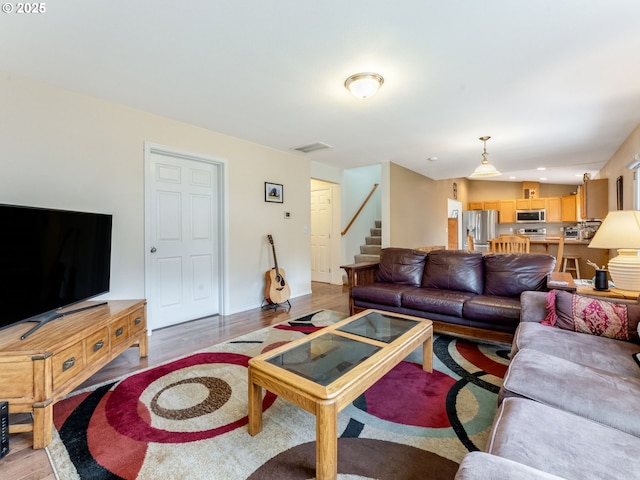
[51,362]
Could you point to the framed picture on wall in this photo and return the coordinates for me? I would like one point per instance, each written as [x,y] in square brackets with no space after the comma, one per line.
[619,199]
[273,192]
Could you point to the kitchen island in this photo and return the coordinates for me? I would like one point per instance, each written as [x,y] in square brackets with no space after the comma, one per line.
[573,247]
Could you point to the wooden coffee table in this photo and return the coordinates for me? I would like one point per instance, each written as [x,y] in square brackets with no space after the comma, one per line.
[327,370]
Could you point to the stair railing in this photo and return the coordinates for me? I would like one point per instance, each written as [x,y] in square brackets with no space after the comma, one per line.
[344,232]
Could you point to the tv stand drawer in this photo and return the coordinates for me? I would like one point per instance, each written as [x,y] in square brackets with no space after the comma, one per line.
[97,345]
[68,364]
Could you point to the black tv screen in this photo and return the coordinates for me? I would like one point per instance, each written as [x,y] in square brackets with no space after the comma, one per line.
[50,259]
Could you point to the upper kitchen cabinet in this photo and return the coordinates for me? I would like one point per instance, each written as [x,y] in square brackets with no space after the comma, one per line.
[570,208]
[531,203]
[487,205]
[507,211]
[554,209]
[595,199]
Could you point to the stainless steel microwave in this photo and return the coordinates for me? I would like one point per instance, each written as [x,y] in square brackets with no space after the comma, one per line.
[531,216]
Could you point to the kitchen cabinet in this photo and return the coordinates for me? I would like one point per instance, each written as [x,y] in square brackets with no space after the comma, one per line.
[569,208]
[507,209]
[554,209]
[488,205]
[595,199]
[530,203]
[558,209]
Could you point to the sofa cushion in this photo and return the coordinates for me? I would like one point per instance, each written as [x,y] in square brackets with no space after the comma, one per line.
[508,275]
[401,265]
[493,309]
[592,315]
[382,293]
[562,443]
[599,352]
[454,270]
[447,302]
[592,393]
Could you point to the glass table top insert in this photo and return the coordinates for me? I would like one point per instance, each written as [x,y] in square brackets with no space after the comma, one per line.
[327,357]
[378,326]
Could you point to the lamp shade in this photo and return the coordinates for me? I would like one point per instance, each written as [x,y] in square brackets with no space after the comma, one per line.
[485,170]
[621,230]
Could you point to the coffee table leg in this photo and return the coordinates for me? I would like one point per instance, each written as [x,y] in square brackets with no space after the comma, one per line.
[327,442]
[427,354]
[255,406]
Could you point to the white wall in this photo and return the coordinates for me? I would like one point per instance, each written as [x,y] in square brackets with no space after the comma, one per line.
[357,184]
[66,150]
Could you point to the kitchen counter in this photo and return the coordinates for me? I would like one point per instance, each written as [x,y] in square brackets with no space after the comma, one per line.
[573,247]
[556,240]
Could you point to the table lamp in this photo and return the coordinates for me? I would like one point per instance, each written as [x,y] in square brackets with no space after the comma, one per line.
[621,230]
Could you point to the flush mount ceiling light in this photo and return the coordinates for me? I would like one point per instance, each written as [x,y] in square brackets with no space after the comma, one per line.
[364,85]
[485,169]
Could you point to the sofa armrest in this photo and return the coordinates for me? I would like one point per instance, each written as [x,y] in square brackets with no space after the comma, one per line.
[359,274]
[532,306]
[561,281]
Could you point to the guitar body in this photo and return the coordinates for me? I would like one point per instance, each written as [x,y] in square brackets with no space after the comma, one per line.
[277,289]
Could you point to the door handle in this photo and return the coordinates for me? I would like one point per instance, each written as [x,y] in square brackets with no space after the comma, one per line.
[153,250]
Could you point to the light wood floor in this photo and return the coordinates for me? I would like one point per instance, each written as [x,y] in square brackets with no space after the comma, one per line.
[24,463]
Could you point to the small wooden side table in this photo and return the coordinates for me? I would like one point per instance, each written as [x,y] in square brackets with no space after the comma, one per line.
[611,293]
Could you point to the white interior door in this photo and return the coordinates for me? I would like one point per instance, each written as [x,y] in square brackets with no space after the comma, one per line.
[183,250]
[321,220]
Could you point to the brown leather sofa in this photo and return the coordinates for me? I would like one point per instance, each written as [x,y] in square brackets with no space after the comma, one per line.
[462,292]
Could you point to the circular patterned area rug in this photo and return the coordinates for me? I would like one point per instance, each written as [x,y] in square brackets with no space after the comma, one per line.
[188,418]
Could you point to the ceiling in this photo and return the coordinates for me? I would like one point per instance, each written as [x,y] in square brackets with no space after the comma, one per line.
[556,84]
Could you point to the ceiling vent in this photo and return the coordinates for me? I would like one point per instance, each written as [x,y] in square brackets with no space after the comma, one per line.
[312,147]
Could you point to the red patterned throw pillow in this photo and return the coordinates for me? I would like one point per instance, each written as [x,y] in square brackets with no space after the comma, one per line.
[592,316]
[600,318]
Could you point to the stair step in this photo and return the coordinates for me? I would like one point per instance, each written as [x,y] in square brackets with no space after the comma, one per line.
[367,258]
[376,232]
[373,240]
[378,223]
[370,249]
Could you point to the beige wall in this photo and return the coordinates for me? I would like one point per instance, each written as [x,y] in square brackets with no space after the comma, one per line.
[418,208]
[616,166]
[66,150]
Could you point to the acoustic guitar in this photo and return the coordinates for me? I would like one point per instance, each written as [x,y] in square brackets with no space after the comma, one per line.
[277,289]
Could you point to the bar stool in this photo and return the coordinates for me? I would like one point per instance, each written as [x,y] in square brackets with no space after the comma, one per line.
[574,266]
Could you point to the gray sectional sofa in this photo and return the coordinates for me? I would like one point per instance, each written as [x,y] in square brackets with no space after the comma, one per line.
[570,402]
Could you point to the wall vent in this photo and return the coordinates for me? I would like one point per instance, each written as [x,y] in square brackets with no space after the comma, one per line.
[312,147]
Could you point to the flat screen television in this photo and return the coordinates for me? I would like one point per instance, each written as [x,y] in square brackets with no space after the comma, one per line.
[49,260]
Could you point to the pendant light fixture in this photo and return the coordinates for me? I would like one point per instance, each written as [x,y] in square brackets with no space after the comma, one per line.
[485,169]
[364,85]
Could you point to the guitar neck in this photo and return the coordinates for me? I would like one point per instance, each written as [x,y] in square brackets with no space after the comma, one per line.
[275,258]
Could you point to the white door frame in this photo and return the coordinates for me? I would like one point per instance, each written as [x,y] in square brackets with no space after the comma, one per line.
[222,229]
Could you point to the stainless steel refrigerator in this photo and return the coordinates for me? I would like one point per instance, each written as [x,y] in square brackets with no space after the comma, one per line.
[481,225]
